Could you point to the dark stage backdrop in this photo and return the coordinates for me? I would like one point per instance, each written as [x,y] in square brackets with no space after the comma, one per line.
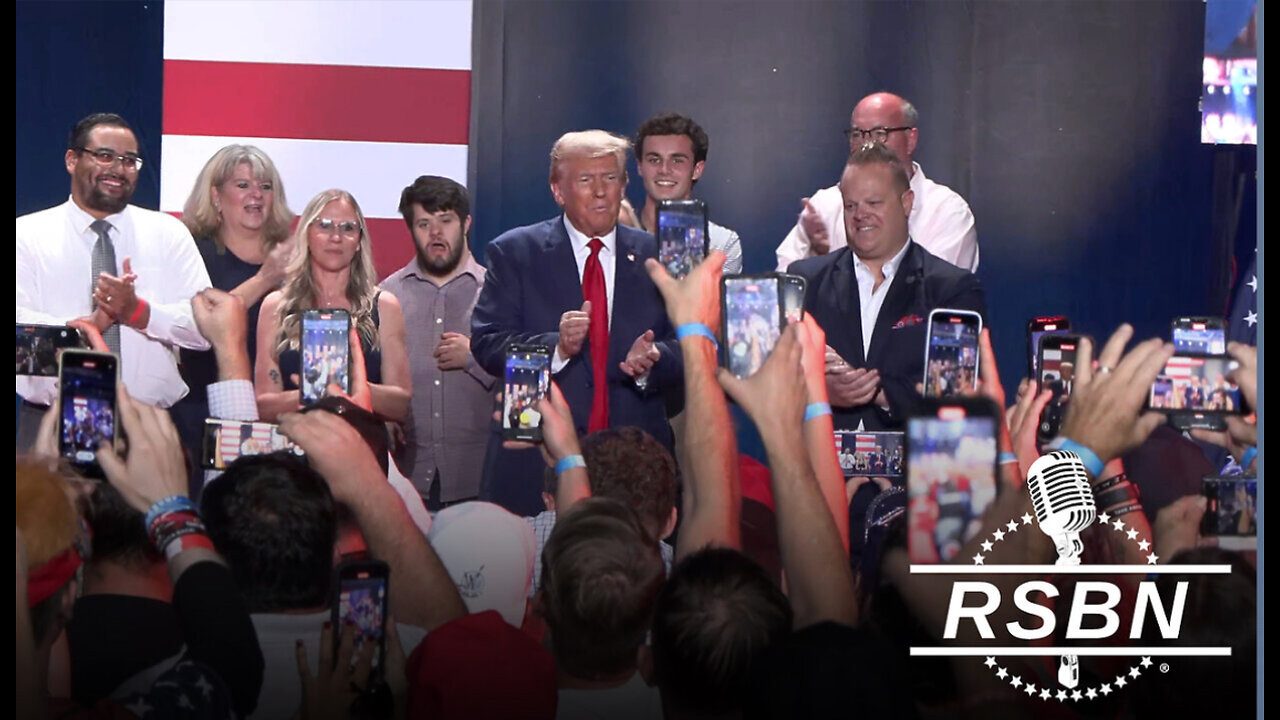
[1071,128]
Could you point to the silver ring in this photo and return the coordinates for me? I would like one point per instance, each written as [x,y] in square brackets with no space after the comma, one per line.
[108,298]
[1104,370]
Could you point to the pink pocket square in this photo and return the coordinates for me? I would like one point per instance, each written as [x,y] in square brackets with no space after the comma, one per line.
[908,321]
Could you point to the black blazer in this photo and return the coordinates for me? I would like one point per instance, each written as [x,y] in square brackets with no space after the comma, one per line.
[923,283]
[532,280]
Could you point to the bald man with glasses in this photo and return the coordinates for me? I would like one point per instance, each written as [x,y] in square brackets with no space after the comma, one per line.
[940,220]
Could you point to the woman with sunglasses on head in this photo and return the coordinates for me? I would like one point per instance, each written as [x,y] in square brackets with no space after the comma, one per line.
[332,268]
[240,220]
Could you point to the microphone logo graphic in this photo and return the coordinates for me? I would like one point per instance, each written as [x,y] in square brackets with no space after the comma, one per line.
[1063,501]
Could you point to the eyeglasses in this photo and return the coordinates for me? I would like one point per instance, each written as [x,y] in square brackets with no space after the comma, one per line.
[880,134]
[108,157]
[346,228]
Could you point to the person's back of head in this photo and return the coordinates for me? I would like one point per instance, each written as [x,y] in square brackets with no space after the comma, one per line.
[715,618]
[631,466]
[601,572]
[51,531]
[119,533]
[274,520]
[1220,610]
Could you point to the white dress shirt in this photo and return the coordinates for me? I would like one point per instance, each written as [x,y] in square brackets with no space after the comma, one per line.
[54,284]
[940,222]
[871,300]
[608,260]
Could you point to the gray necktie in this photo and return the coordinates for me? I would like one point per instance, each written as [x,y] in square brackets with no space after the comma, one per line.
[104,261]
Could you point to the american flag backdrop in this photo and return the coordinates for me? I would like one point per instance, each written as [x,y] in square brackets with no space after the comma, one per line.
[362,95]
[864,444]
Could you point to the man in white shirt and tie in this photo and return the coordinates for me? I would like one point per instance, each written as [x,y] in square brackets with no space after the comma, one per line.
[940,221]
[130,272]
[576,284]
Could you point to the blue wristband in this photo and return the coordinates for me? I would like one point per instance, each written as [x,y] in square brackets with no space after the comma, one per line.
[1249,456]
[692,329]
[569,462]
[173,503]
[1008,457]
[814,410]
[1091,461]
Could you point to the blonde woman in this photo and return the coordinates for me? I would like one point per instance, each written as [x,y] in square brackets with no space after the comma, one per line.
[332,268]
[240,220]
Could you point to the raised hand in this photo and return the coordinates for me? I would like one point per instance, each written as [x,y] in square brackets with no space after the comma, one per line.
[813,226]
[642,356]
[696,298]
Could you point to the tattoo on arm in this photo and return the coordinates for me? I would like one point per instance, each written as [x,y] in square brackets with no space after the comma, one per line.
[275,377]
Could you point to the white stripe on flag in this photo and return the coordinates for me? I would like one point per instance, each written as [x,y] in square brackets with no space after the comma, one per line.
[371,33]
[375,173]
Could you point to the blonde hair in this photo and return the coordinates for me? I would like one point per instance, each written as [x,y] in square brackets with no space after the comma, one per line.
[590,144]
[203,219]
[299,292]
[627,215]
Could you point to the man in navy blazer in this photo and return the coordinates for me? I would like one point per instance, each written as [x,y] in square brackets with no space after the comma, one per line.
[873,297]
[538,291]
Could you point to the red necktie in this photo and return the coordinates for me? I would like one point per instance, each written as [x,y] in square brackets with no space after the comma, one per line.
[598,334]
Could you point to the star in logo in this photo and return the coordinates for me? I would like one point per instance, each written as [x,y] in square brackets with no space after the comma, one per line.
[1106,689]
[1104,518]
[1029,689]
[1144,545]
[1062,695]
[1120,681]
[1013,526]
[1134,672]
[1075,694]
[1091,693]
[987,545]
[991,662]
[1026,518]
[998,535]
[1016,681]
[1132,534]
[977,559]
[1151,559]
[1118,524]
[1002,673]
[1146,663]
[1044,694]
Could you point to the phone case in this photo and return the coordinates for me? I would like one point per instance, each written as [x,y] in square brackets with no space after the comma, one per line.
[947,384]
[520,417]
[750,337]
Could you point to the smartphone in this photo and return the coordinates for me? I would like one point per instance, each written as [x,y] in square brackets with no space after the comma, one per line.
[326,352]
[227,440]
[951,475]
[87,414]
[528,379]
[361,591]
[1200,335]
[1195,392]
[38,347]
[1056,358]
[792,289]
[951,353]
[1037,328]
[751,315]
[1231,510]
[682,235]
[870,454]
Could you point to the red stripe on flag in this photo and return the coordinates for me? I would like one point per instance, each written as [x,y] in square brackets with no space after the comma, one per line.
[317,102]
[392,245]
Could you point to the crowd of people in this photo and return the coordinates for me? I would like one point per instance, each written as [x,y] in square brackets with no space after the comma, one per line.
[616,569]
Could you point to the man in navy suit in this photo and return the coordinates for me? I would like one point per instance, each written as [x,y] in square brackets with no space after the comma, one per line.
[873,297]
[576,283]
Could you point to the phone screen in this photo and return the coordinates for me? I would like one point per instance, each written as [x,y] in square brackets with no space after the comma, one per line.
[38,345]
[682,235]
[1196,384]
[1204,336]
[1037,329]
[951,480]
[362,600]
[326,352]
[227,440]
[528,379]
[951,363]
[87,393]
[1231,509]
[1057,361]
[752,322]
[793,287]
[870,454]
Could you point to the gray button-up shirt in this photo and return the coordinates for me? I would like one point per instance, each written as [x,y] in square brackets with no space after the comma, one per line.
[448,426]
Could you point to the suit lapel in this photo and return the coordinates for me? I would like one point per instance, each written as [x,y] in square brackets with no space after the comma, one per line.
[898,303]
[628,276]
[560,267]
[849,306]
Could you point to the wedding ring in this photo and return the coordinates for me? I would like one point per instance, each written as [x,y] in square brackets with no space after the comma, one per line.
[1103,370]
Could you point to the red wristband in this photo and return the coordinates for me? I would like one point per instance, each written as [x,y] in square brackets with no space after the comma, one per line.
[137,312]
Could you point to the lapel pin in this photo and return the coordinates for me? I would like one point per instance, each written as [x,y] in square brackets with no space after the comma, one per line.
[631,257]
